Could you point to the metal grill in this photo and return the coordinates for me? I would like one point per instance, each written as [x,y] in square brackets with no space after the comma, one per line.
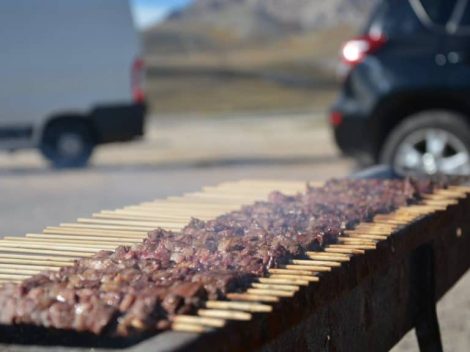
[364,292]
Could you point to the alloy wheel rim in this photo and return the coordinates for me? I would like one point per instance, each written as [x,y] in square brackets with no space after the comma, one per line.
[432,151]
[70,145]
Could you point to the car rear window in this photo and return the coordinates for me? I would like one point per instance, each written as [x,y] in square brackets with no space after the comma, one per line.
[393,18]
[439,11]
[465,20]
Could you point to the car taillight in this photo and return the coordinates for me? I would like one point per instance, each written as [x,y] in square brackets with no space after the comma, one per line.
[357,49]
[336,118]
[137,80]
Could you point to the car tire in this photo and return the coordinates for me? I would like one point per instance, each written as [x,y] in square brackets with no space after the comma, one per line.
[67,144]
[445,125]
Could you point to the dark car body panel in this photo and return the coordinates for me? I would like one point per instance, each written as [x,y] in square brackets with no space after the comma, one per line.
[414,70]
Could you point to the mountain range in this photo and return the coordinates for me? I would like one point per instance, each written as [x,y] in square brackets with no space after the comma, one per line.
[221,24]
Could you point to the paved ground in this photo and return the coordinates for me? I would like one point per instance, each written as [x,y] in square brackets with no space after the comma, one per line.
[183,154]
[178,155]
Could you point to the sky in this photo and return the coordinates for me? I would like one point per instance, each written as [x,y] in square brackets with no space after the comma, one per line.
[148,12]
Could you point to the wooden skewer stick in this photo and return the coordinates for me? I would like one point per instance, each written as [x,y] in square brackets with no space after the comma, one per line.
[205,208]
[344,250]
[194,328]
[353,246]
[242,193]
[318,256]
[165,222]
[391,222]
[367,236]
[408,217]
[19,271]
[224,314]
[358,240]
[423,208]
[282,280]
[461,189]
[447,195]
[35,262]
[109,227]
[438,197]
[177,206]
[8,281]
[265,187]
[315,263]
[382,233]
[229,201]
[441,202]
[27,266]
[394,215]
[275,182]
[259,183]
[373,231]
[242,306]
[220,197]
[93,232]
[271,292]
[36,257]
[163,215]
[369,245]
[329,255]
[56,251]
[275,287]
[14,276]
[311,268]
[398,220]
[251,297]
[148,216]
[170,217]
[223,205]
[155,224]
[292,270]
[50,245]
[71,241]
[191,319]
[415,213]
[79,238]
[375,226]
[451,193]
[294,279]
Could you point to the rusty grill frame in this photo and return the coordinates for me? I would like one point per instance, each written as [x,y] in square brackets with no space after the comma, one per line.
[368,303]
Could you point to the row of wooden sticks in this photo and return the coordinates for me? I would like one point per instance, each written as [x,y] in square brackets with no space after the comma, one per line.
[58,246]
[286,281]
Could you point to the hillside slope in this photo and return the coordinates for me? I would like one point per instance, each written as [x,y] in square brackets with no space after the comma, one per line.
[223,24]
[233,55]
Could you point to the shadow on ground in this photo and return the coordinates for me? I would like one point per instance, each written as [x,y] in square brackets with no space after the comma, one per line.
[181,165]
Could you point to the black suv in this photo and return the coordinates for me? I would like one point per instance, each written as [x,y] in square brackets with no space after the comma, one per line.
[406,94]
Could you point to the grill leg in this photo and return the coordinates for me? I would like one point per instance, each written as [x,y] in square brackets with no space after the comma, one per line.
[424,299]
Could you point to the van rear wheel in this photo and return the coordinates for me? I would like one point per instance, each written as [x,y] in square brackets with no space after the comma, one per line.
[67,144]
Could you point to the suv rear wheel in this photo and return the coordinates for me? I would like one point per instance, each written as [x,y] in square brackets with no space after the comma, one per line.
[433,141]
[67,144]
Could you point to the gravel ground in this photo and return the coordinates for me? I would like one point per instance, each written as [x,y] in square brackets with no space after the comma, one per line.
[183,154]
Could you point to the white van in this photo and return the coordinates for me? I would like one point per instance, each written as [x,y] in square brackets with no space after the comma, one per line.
[70,77]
